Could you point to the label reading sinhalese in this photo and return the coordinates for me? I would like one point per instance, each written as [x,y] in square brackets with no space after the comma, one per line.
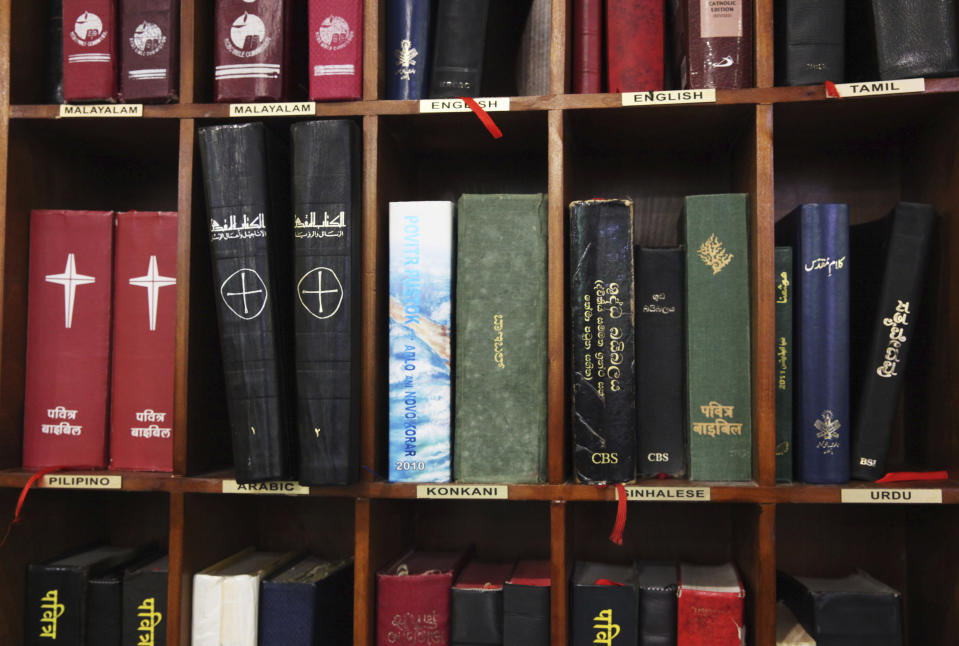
[901,496]
[677,494]
[878,88]
[105,110]
[287,487]
[490,104]
[286,109]
[669,97]
[460,492]
[66,481]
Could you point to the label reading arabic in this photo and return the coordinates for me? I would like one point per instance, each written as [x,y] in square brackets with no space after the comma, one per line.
[899,496]
[669,97]
[286,487]
[287,109]
[105,110]
[65,481]
[460,492]
[878,88]
[490,104]
[676,494]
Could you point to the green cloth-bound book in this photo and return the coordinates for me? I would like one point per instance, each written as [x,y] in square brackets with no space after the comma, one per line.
[500,339]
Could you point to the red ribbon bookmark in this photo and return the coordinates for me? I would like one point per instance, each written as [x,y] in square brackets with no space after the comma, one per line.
[909,476]
[23,498]
[483,116]
[616,536]
[831,91]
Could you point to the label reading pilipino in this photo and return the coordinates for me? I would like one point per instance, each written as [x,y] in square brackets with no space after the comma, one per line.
[287,109]
[896,496]
[462,492]
[879,88]
[490,104]
[283,487]
[668,494]
[105,110]
[668,97]
[68,481]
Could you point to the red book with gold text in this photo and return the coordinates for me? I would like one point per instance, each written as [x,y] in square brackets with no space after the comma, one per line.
[635,36]
[68,339]
[89,50]
[710,606]
[144,338]
[336,49]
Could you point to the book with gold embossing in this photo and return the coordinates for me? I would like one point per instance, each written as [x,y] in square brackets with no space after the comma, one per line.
[785,294]
[717,337]
[604,604]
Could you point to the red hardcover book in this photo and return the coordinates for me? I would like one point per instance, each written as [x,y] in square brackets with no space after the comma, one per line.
[714,43]
[587,46]
[710,606]
[413,599]
[149,50]
[635,44]
[68,339]
[251,50]
[144,338]
[89,50]
[336,49]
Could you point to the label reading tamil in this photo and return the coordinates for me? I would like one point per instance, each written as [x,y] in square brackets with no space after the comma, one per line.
[669,97]
[460,492]
[490,104]
[67,481]
[285,487]
[878,88]
[286,109]
[677,494]
[105,110]
[900,496]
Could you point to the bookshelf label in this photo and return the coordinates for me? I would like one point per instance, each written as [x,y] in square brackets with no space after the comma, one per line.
[877,88]
[900,496]
[490,104]
[285,109]
[105,110]
[462,492]
[284,487]
[677,494]
[66,481]
[669,97]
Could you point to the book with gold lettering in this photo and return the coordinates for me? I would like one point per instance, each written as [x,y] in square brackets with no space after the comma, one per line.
[144,602]
[785,294]
[604,604]
[308,603]
[710,606]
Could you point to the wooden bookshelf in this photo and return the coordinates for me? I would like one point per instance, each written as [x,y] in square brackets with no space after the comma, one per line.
[782,145]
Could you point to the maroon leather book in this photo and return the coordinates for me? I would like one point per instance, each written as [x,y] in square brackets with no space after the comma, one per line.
[68,339]
[89,50]
[714,43]
[149,50]
[635,44]
[413,599]
[336,49]
[144,339]
[587,46]
[251,50]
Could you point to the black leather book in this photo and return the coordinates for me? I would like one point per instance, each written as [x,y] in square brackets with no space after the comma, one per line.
[459,38]
[476,604]
[660,363]
[145,601]
[248,245]
[888,271]
[657,583]
[785,294]
[53,53]
[309,603]
[604,604]
[104,603]
[326,237]
[810,41]
[526,605]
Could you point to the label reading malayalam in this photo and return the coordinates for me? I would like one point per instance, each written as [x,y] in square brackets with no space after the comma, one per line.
[105,110]
[286,109]
[878,88]
[677,494]
[286,487]
[490,104]
[67,481]
[461,492]
[669,97]
[901,496]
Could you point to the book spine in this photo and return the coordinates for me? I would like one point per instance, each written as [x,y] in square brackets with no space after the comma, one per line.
[718,42]
[500,332]
[68,339]
[149,50]
[336,49]
[602,376]
[103,611]
[718,338]
[476,616]
[785,292]
[600,612]
[916,38]
[333,609]
[421,274]
[145,608]
[288,614]
[660,358]
[635,34]
[326,198]
[532,70]
[55,608]
[242,237]
[707,618]
[810,41]
[53,53]
[526,615]
[89,50]
[249,50]
[460,39]
[413,610]
[587,46]
[408,49]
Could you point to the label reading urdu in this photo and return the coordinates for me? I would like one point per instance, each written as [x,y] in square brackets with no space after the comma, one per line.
[287,109]
[105,110]
[666,494]
[878,88]
[490,104]
[668,97]
[460,492]
[899,496]
[287,487]
[68,481]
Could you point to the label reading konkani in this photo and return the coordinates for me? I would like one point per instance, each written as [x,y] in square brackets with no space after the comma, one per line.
[675,494]
[490,104]
[896,496]
[286,109]
[878,88]
[668,97]
[283,487]
[105,110]
[462,492]
[66,481]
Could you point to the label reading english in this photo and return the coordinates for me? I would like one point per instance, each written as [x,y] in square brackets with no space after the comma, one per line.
[105,110]
[490,104]
[462,492]
[668,97]
[68,481]
[283,487]
[286,109]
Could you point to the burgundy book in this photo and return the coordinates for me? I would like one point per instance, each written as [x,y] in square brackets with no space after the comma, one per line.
[68,339]
[251,50]
[413,599]
[713,43]
[144,338]
[336,49]
[89,50]
[149,50]
[635,45]
[710,606]
[587,46]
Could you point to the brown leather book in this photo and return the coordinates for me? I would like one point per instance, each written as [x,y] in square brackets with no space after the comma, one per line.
[250,50]
[149,50]
[713,43]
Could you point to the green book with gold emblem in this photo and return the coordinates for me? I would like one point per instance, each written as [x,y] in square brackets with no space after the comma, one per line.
[717,337]
[500,339]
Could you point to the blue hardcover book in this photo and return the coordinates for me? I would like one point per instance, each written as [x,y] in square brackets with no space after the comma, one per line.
[819,234]
[309,603]
[420,316]
[407,49]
